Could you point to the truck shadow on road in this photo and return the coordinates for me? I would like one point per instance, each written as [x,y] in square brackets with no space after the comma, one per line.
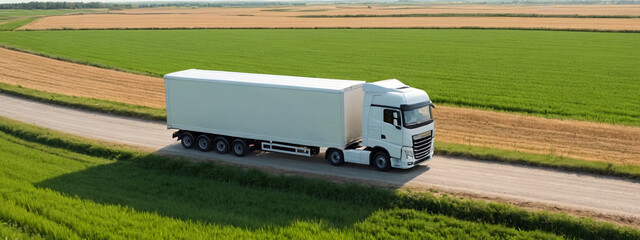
[315,166]
[210,193]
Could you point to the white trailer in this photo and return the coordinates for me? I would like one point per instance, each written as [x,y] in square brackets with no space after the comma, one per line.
[237,112]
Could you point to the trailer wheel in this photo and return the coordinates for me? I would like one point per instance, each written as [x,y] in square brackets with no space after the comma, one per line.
[187,140]
[335,156]
[204,143]
[381,161]
[221,145]
[239,147]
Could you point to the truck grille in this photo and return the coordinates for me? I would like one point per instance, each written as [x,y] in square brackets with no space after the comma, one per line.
[422,146]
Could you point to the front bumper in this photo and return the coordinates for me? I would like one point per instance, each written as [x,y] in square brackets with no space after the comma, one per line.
[406,161]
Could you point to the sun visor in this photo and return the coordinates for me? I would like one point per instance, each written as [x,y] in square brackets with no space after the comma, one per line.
[391,85]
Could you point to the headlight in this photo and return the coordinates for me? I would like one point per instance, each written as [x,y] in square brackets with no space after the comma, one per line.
[409,152]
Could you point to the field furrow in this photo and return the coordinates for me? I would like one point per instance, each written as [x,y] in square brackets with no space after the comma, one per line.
[181,21]
[78,80]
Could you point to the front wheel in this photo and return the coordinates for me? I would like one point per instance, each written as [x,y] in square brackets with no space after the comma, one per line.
[382,161]
[335,156]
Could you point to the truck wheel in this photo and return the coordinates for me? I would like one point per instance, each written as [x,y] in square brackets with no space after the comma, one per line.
[221,145]
[204,143]
[335,156]
[381,161]
[188,140]
[239,147]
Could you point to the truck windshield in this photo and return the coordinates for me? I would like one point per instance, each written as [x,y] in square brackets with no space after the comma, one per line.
[417,116]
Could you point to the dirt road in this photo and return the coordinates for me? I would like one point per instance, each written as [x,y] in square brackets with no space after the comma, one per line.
[577,139]
[581,192]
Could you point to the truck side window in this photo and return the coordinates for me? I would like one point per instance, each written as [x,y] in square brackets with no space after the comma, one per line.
[388,116]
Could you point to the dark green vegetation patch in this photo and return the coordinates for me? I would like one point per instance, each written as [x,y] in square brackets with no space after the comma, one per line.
[16,24]
[62,187]
[6,14]
[578,75]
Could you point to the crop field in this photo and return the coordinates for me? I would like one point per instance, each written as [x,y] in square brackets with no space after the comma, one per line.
[579,17]
[314,9]
[574,75]
[9,14]
[85,190]
[50,75]
[581,140]
[506,89]
[11,25]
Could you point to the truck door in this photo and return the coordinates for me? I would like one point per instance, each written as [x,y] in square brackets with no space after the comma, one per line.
[374,131]
[391,131]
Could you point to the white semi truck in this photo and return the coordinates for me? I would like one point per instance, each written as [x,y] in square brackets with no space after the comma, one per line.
[384,124]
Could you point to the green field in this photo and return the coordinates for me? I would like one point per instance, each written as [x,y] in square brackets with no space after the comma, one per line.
[60,187]
[16,24]
[578,75]
[7,14]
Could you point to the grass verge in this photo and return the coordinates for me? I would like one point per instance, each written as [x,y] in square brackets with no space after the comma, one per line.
[538,160]
[98,105]
[10,26]
[11,232]
[58,185]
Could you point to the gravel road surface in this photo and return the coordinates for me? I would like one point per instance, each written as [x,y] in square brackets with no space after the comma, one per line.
[582,192]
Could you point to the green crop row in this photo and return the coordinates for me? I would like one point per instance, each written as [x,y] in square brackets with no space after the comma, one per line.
[7,14]
[16,24]
[8,231]
[577,75]
[64,187]
[61,194]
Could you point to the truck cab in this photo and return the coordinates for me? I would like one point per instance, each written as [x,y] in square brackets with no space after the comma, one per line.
[397,120]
